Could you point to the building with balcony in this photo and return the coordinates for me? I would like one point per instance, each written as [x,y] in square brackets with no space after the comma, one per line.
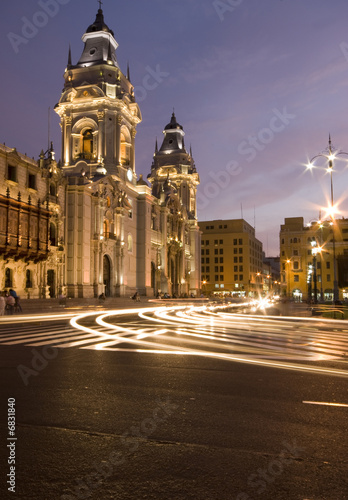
[31,223]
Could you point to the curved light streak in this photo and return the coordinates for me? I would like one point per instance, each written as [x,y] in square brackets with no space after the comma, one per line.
[206,331]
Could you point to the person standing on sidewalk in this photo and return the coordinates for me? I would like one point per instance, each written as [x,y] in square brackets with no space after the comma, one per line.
[10,303]
[2,303]
[17,305]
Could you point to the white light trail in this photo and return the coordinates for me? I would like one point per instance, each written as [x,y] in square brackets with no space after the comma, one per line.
[208,332]
[325,404]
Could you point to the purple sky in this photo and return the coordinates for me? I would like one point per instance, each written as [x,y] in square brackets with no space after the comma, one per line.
[230,69]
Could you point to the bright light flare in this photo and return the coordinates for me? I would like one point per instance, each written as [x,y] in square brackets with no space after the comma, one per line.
[332,211]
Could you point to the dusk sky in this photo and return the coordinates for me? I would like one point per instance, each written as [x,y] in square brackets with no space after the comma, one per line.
[258,85]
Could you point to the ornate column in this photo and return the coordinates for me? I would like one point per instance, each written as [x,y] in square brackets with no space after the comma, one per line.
[118,140]
[101,116]
[120,281]
[67,141]
[132,151]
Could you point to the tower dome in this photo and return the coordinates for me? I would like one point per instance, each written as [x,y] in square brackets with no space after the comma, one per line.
[99,24]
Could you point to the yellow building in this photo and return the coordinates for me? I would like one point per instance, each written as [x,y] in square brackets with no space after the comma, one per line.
[231,258]
[307,259]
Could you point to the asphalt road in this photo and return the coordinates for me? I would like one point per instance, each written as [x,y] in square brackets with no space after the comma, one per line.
[210,408]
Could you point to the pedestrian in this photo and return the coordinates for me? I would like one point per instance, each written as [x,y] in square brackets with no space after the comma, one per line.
[17,307]
[62,299]
[10,303]
[2,304]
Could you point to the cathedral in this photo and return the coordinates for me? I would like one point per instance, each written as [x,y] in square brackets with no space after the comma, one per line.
[88,225]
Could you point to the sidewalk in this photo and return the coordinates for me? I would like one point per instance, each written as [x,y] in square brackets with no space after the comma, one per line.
[47,306]
[41,306]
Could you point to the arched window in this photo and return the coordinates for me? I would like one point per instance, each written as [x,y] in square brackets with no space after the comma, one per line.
[87,144]
[8,278]
[28,279]
[53,190]
[125,150]
[53,234]
[130,243]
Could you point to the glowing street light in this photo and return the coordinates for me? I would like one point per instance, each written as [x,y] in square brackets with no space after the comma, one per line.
[330,154]
[288,280]
[314,253]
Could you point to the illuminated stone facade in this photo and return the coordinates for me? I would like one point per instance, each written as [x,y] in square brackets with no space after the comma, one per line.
[122,235]
[31,224]
[174,181]
[95,228]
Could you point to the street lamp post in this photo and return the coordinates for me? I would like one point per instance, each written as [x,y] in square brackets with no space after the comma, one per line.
[330,154]
[314,253]
[335,284]
[321,262]
[288,280]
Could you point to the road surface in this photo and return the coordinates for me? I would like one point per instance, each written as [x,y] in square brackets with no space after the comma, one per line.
[176,403]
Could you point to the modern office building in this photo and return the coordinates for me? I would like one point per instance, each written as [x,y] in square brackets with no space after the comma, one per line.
[231,259]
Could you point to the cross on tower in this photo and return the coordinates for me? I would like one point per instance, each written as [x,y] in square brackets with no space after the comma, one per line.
[100,4]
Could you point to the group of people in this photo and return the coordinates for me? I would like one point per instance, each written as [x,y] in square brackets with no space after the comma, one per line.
[9,303]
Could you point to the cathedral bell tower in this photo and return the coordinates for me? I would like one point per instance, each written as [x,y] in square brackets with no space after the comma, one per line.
[97,108]
[173,168]
[174,181]
[99,116]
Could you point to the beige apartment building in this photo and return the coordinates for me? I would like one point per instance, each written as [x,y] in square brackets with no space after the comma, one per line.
[307,259]
[231,259]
